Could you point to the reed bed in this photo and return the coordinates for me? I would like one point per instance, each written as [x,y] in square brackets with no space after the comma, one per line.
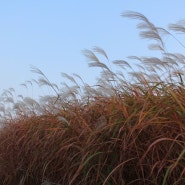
[127,129]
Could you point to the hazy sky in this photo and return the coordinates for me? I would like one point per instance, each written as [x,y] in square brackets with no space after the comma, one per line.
[51,34]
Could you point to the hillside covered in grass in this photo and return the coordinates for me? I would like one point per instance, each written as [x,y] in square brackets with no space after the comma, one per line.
[127,129]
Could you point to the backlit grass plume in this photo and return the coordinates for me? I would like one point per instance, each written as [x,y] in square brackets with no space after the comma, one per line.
[127,129]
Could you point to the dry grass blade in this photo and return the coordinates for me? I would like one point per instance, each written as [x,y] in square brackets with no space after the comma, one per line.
[178,27]
[100,51]
[122,63]
[149,30]
[95,61]
[117,167]
[44,80]
[70,78]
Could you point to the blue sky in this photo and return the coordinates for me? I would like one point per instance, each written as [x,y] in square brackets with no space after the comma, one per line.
[52,34]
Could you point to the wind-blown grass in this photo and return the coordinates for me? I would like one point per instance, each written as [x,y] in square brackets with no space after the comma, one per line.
[127,129]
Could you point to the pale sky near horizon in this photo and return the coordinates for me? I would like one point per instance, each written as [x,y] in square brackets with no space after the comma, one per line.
[52,34]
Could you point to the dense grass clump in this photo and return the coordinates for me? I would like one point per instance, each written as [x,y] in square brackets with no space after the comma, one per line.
[125,130]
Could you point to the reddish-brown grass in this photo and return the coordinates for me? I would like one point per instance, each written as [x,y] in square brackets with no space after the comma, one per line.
[116,133]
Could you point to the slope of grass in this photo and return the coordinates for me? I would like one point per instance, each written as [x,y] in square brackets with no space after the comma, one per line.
[117,132]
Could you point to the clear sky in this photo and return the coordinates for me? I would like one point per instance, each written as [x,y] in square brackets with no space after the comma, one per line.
[51,34]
